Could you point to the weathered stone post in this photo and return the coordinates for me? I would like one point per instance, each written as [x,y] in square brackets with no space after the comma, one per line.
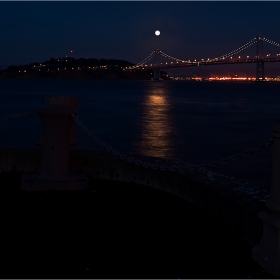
[267,253]
[71,102]
[56,122]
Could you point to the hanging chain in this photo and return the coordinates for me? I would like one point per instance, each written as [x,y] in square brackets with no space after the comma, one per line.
[16,116]
[239,156]
[176,167]
[170,166]
[123,156]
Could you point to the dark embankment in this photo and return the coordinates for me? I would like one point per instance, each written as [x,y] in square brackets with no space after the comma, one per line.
[115,230]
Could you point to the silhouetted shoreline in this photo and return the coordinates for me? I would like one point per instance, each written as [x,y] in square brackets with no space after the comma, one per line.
[77,69]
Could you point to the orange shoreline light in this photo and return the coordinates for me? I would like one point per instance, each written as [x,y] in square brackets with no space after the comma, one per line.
[225,78]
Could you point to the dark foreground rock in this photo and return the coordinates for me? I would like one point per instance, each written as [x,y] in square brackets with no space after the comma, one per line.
[116,230]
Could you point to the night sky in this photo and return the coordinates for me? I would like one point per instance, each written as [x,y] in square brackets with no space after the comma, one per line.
[37,31]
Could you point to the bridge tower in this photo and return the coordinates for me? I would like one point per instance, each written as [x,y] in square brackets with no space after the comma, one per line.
[260,56]
[156,61]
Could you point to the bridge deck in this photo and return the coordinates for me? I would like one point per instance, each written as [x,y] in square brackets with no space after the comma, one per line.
[208,63]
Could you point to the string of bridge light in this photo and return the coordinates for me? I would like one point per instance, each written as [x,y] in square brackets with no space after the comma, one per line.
[171,57]
[245,46]
[143,61]
[238,50]
[140,64]
[271,42]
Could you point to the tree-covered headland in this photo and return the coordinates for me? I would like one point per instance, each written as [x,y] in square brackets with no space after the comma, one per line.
[82,68]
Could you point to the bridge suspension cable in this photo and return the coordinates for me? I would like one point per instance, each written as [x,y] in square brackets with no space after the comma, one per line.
[245,46]
[271,42]
[170,57]
[238,50]
[143,61]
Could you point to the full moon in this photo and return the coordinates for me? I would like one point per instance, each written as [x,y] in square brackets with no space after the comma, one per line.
[157,33]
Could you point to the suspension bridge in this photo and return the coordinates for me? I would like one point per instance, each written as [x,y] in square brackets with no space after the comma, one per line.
[152,62]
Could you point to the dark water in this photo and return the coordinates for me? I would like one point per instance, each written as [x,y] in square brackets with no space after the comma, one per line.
[187,121]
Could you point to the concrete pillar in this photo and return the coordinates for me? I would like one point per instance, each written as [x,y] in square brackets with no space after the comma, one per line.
[267,253]
[71,102]
[56,123]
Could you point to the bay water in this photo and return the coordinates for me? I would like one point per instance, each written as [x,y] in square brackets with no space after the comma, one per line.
[192,122]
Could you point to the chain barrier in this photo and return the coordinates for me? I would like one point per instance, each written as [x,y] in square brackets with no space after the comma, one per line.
[16,116]
[173,167]
[239,156]
[121,155]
